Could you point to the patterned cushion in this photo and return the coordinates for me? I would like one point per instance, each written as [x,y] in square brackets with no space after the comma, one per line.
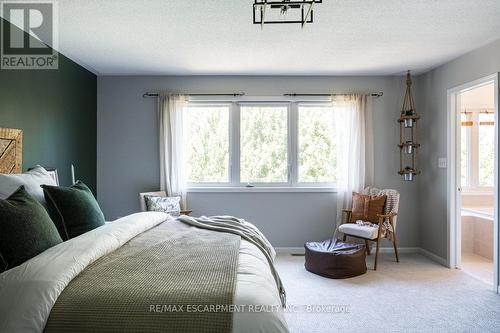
[170,205]
[366,207]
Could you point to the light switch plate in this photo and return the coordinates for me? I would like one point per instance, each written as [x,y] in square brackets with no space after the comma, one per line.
[442,162]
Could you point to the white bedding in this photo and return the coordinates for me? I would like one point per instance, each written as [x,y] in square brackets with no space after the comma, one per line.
[28,292]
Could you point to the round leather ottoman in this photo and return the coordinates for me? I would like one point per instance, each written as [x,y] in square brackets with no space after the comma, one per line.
[335,259]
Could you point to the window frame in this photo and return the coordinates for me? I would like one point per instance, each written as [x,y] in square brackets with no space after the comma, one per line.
[234,184]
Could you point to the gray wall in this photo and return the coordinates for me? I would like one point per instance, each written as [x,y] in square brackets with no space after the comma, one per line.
[432,104]
[128,163]
[287,219]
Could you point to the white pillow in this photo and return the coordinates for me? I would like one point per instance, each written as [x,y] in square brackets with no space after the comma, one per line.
[31,180]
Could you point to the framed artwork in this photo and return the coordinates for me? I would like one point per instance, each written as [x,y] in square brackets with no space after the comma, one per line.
[11,150]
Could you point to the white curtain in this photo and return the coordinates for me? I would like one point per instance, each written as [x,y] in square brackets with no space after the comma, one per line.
[172,163]
[354,137]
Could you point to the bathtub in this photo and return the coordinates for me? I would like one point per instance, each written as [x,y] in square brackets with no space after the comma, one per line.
[477,231]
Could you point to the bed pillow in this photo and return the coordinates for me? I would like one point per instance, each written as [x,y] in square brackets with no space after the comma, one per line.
[25,229]
[31,180]
[367,207]
[170,205]
[73,209]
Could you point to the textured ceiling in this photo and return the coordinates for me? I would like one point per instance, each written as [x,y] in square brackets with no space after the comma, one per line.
[348,37]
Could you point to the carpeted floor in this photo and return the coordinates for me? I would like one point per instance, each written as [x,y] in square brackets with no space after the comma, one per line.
[416,295]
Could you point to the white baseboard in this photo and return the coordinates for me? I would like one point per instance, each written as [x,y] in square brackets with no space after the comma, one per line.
[405,250]
[433,257]
[289,250]
[400,249]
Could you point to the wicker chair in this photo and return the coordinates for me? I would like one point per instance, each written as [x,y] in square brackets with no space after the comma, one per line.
[386,223]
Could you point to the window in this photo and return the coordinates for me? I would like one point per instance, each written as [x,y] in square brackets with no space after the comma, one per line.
[477,149]
[263,144]
[316,136]
[207,143]
[260,144]
[486,149]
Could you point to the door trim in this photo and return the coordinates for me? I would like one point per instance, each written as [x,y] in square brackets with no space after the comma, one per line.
[453,201]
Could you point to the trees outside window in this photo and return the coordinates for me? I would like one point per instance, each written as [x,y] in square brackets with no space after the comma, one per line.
[260,144]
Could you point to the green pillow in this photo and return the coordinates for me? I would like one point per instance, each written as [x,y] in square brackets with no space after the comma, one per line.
[25,229]
[73,209]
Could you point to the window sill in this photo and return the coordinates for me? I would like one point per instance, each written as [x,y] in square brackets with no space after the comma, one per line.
[260,189]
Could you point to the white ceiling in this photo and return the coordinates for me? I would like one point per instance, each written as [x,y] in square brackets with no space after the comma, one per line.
[348,37]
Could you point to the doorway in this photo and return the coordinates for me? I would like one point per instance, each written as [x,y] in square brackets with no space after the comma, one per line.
[473,179]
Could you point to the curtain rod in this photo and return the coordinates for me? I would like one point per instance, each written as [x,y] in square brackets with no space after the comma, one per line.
[148,94]
[239,94]
[380,94]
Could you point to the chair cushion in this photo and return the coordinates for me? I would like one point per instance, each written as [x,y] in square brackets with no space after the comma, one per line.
[366,207]
[354,229]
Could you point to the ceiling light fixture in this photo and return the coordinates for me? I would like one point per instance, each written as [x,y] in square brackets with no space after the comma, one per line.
[284,11]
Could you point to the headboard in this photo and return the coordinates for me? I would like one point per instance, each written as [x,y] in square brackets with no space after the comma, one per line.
[11,150]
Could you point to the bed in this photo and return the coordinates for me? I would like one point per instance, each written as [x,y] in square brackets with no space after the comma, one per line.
[39,294]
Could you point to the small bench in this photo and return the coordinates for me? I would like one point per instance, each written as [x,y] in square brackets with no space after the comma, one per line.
[335,259]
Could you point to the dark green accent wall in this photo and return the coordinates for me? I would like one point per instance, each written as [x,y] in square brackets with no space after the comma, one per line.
[57,111]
